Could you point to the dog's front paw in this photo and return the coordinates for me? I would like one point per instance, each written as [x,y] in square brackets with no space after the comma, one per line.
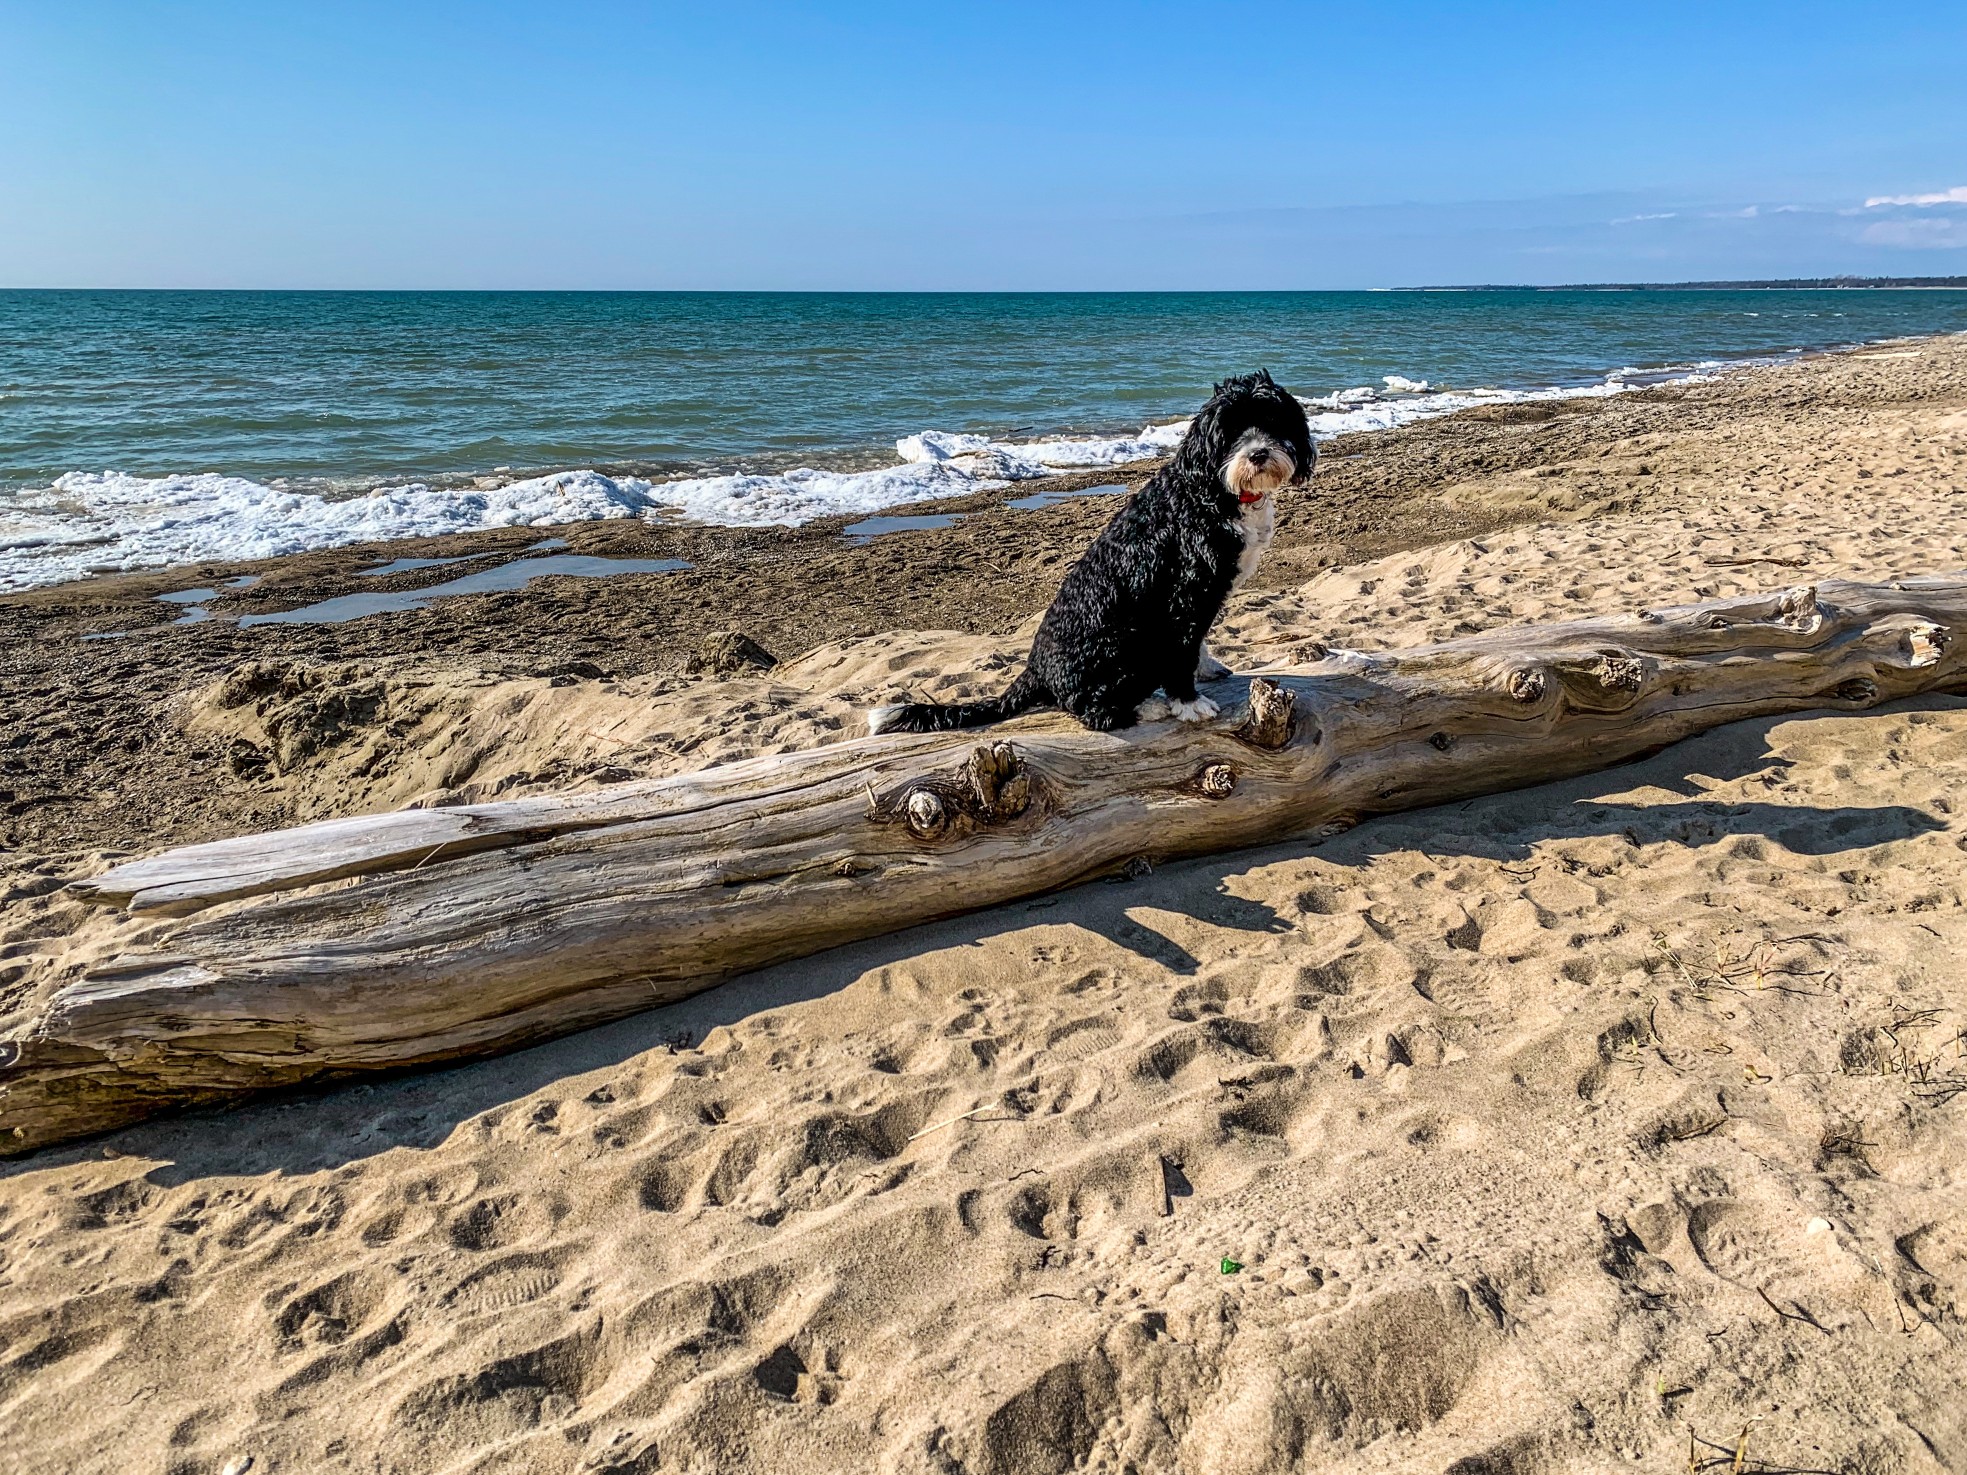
[1199,710]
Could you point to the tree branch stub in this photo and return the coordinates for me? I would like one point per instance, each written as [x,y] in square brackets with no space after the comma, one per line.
[1267,722]
[458,932]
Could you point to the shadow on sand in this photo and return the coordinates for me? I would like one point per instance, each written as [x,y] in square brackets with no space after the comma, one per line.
[308,1131]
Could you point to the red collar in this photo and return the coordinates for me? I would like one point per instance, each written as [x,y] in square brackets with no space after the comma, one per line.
[1246,498]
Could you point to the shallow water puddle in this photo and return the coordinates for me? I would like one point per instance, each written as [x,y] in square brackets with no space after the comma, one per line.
[505,579]
[196,598]
[874,527]
[199,598]
[411,565]
[1052,499]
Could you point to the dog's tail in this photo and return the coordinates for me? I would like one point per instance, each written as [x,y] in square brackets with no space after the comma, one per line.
[1024,694]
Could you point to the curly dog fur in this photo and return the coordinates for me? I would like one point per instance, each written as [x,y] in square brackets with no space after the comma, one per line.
[1131,615]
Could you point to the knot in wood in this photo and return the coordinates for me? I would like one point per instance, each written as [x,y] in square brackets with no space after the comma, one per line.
[1799,608]
[1268,721]
[1527,684]
[1440,742]
[1617,672]
[997,780]
[1925,644]
[990,788]
[927,815]
[1217,781]
[1860,689]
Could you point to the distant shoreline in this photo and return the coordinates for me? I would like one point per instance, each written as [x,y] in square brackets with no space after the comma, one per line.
[1788,284]
[1785,284]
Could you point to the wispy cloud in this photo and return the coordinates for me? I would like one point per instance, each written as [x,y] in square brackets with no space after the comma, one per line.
[1623,237]
[1934,233]
[1955,196]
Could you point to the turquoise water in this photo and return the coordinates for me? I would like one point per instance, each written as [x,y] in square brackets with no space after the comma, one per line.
[350,390]
[162,429]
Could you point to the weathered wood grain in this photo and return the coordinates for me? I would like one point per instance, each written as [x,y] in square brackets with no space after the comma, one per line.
[426,935]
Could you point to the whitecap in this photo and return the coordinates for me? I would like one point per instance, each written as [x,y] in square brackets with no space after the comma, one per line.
[99,522]
[93,522]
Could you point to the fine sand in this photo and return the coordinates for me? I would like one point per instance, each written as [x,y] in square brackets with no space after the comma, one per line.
[1551,1131]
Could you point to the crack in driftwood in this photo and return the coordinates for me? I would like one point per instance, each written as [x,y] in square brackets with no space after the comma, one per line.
[448,933]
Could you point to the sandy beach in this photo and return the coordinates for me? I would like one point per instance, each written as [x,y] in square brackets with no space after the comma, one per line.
[1616,1124]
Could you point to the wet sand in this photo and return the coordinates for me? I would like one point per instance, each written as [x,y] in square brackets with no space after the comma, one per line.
[94,756]
[1545,1129]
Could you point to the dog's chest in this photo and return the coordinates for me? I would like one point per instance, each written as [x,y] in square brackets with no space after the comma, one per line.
[1255,525]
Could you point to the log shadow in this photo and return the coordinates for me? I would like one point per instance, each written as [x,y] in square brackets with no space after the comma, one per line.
[1801,829]
[311,1130]
[1509,825]
[1121,920]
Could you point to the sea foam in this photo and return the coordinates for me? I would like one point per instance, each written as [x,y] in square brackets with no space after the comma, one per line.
[100,522]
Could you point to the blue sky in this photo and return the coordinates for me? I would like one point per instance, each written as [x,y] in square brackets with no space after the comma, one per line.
[955,146]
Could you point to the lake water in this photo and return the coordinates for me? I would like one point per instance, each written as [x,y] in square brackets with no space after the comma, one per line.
[144,429]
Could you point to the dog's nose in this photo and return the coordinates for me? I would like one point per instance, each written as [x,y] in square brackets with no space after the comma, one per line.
[1259,456]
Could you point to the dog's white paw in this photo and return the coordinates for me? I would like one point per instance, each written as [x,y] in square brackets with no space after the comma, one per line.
[1199,710]
[1154,709]
[880,719]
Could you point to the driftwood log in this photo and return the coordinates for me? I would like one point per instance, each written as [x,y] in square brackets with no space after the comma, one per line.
[427,935]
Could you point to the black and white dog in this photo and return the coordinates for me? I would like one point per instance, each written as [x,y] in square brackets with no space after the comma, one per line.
[1131,615]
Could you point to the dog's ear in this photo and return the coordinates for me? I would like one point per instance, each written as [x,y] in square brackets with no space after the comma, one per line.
[1206,445]
[1304,444]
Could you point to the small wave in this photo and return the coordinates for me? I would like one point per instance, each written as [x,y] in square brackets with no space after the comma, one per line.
[110,522]
[103,522]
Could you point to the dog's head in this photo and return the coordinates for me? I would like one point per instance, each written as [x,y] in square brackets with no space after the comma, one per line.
[1250,439]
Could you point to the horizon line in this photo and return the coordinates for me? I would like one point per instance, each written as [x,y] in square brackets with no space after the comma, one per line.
[1822,283]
